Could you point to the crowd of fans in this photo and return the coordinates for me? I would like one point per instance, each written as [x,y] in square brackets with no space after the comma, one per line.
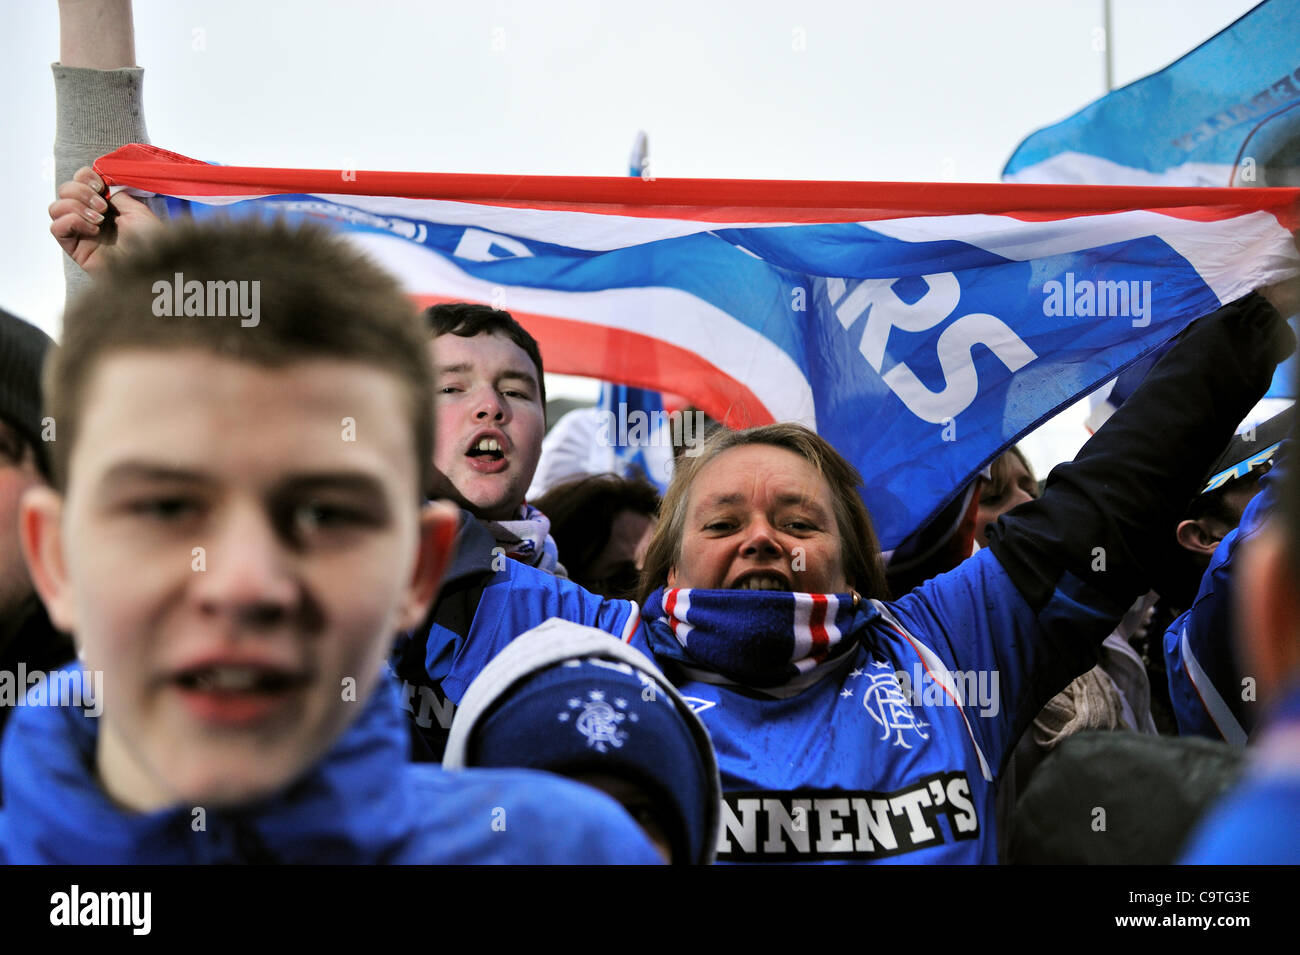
[369,646]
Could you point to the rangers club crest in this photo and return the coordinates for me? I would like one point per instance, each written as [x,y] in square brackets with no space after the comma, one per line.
[886,703]
[598,721]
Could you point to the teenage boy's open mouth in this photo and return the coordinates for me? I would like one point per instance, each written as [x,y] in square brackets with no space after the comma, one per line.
[231,692]
[487,452]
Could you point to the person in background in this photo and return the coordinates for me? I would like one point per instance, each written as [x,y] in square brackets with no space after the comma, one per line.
[602,524]
[28,641]
[1010,483]
[1208,690]
[964,525]
[1259,822]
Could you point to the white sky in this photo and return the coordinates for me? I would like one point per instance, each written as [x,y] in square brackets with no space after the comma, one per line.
[925,90]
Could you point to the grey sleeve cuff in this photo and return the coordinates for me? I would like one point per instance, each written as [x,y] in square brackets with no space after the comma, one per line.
[97,111]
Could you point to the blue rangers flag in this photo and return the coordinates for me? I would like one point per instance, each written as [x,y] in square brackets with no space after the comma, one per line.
[1226,113]
[920,328]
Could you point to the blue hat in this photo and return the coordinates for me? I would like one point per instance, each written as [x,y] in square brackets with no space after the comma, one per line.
[594,707]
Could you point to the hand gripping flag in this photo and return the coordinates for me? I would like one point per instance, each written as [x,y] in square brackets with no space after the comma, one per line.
[920,328]
[1227,113]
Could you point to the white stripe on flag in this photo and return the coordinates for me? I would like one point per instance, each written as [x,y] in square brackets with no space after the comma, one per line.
[1214,249]
[590,231]
[679,318]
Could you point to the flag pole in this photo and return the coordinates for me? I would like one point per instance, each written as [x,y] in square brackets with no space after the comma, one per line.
[1109,56]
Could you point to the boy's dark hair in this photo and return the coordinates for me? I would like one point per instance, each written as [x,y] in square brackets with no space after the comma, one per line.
[318,297]
[1214,504]
[582,513]
[469,320]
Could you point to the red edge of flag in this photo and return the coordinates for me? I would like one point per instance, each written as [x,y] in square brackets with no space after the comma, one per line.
[711,200]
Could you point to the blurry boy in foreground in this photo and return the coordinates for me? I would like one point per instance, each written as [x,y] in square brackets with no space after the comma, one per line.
[234,536]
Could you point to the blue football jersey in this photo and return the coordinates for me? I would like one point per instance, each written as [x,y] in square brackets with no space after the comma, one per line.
[892,756]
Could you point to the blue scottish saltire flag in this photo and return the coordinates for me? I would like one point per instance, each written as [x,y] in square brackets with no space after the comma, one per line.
[1227,113]
[918,327]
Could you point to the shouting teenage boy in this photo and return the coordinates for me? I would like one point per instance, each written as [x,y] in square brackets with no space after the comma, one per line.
[491,409]
[234,534]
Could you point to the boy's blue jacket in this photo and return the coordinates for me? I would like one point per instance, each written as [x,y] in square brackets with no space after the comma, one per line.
[1258,823]
[853,769]
[361,803]
[1204,685]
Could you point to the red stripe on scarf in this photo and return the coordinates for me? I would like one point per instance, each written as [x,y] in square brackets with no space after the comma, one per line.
[670,607]
[821,640]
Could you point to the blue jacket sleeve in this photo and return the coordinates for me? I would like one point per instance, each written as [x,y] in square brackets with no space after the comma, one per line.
[517,598]
[1203,674]
[1008,657]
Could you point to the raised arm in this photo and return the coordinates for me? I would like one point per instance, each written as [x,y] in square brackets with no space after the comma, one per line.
[1101,526]
[96,34]
[99,108]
